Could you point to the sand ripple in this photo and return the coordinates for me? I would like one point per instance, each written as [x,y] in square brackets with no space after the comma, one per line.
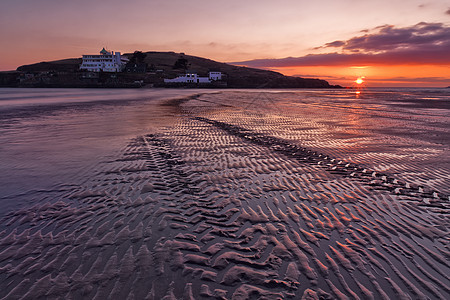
[210,208]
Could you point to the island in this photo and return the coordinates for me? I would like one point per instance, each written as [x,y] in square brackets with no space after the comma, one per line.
[149,69]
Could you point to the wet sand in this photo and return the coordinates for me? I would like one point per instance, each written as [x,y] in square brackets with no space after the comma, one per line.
[248,196]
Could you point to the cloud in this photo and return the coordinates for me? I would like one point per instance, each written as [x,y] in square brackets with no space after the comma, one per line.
[433,56]
[322,76]
[448,11]
[390,38]
[423,43]
[332,44]
[442,80]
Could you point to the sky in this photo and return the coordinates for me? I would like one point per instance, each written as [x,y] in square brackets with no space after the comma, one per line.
[388,42]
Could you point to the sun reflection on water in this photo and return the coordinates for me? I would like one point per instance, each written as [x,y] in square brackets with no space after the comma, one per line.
[359,86]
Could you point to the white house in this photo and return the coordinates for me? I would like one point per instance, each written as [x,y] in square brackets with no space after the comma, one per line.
[192,77]
[106,61]
[215,76]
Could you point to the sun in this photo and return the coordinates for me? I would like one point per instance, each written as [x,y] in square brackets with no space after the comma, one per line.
[359,80]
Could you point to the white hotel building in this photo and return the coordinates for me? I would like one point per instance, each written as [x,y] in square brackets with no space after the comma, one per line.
[192,77]
[106,61]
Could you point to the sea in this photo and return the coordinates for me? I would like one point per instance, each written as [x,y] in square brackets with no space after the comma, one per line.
[232,194]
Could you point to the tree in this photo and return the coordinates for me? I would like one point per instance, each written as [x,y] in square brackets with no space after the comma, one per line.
[140,56]
[181,63]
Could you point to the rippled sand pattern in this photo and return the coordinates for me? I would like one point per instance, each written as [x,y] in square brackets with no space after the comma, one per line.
[232,203]
[409,136]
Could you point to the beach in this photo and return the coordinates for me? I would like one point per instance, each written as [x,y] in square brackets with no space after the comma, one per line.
[224,194]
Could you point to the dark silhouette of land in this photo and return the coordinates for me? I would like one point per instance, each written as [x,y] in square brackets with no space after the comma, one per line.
[150,69]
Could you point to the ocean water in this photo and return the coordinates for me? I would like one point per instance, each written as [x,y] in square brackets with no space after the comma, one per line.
[182,193]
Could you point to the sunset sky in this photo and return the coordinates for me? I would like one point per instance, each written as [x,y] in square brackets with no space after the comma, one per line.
[389,42]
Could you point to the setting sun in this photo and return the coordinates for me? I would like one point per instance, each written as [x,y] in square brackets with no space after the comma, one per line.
[359,80]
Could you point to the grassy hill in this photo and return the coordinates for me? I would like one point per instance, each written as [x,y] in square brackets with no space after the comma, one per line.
[63,65]
[237,77]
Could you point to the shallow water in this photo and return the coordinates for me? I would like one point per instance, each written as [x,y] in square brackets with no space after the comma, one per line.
[50,137]
[226,194]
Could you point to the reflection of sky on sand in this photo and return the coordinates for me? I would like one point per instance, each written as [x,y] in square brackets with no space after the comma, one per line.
[212,195]
[48,137]
[379,128]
